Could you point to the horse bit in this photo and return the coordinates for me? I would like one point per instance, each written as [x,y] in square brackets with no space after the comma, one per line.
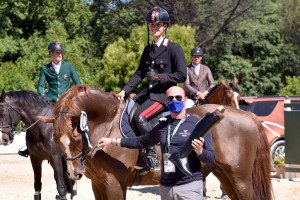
[12,131]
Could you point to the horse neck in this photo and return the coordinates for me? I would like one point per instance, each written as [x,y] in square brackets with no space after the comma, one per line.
[216,96]
[103,116]
[29,114]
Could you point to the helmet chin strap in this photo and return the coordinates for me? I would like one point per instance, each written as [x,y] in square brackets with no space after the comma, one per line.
[148,32]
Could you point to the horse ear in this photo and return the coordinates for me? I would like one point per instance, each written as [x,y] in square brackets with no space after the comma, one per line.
[3,95]
[224,83]
[46,119]
[235,80]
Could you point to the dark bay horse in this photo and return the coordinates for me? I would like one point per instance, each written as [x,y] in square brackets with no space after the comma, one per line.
[242,152]
[26,106]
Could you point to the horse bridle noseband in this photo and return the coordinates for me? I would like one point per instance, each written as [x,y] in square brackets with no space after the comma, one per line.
[12,128]
[12,131]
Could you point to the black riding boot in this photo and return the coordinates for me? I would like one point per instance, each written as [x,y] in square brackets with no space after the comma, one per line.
[143,126]
[24,152]
[180,158]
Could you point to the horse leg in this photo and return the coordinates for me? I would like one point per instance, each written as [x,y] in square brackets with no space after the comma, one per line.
[206,169]
[70,184]
[241,181]
[99,191]
[226,183]
[37,171]
[57,166]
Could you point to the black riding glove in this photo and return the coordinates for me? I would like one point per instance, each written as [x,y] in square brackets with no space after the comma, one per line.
[152,76]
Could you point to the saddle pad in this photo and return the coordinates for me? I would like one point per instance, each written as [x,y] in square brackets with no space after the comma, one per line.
[125,127]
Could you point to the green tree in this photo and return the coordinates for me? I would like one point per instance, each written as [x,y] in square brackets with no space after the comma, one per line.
[293,86]
[255,51]
[290,15]
[121,59]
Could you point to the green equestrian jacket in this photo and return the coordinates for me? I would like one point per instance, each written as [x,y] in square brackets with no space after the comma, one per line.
[57,83]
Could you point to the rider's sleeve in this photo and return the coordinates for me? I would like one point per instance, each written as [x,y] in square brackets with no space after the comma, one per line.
[137,77]
[149,139]
[74,76]
[41,82]
[210,79]
[208,154]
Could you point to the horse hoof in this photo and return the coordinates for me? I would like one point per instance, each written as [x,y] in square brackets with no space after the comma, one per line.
[37,197]
[57,197]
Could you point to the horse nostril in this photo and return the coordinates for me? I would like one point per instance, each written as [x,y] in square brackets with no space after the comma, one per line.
[79,176]
[5,141]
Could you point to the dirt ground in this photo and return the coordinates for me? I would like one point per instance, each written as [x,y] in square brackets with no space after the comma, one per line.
[16,182]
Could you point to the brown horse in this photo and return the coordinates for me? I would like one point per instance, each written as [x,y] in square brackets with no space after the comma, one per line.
[241,148]
[224,94]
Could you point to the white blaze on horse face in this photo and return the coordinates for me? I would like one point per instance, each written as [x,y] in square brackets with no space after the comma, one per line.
[65,140]
[235,94]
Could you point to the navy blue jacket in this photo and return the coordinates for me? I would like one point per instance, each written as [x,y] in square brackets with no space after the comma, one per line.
[159,134]
[168,62]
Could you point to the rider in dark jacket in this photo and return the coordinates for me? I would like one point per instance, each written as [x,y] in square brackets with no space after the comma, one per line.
[163,63]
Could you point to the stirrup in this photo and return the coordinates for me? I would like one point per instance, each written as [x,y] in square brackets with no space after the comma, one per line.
[24,153]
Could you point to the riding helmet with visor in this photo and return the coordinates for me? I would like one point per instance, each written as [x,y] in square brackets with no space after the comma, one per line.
[157,15]
[55,45]
[197,51]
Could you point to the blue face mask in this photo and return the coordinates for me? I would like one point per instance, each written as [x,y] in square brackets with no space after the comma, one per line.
[175,106]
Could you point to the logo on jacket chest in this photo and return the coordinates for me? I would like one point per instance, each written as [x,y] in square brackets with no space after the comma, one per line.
[65,76]
[185,133]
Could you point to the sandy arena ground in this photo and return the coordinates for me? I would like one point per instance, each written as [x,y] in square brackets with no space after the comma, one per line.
[16,183]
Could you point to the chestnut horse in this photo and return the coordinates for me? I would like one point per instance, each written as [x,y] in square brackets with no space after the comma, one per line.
[26,106]
[223,94]
[241,148]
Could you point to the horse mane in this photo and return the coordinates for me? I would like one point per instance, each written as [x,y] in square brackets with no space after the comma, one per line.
[29,98]
[66,101]
[212,89]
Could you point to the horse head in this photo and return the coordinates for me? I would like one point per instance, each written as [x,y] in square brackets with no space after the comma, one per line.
[9,119]
[74,142]
[224,94]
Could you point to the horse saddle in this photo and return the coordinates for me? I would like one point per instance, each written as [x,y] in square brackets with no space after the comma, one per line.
[127,127]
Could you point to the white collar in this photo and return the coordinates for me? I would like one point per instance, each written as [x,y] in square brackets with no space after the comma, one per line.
[195,66]
[56,65]
[159,41]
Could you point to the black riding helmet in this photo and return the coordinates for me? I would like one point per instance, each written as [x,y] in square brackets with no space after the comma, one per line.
[157,15]
[55,45]
[197,51]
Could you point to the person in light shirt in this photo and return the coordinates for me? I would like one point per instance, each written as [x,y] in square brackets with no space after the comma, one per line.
[198,75]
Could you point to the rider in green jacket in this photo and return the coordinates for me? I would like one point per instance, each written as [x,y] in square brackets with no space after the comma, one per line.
[57,74]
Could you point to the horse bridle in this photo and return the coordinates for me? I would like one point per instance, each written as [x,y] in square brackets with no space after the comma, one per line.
[11,133]
[83,153]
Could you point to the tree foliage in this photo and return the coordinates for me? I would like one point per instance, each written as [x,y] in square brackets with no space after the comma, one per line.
[255,51]
[290,15]
[293,86]
[257,40]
